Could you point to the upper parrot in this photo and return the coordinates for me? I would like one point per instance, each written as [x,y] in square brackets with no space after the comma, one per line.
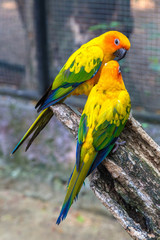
[79,74]
[103,119]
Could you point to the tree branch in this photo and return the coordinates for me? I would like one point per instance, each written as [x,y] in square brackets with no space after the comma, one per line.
[127,182]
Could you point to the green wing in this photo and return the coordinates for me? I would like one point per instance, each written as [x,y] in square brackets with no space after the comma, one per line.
[83,129]
[80,67]
[104,136]
[82,133]
[107,132]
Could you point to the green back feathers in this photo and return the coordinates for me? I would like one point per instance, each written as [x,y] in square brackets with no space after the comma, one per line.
[80,67]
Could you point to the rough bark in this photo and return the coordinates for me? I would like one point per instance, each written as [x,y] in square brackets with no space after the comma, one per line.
[127,182]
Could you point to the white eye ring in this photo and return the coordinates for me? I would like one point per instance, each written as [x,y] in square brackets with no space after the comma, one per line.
[116,41]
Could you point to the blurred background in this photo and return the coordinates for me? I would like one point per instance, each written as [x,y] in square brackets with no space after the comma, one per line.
[36,39]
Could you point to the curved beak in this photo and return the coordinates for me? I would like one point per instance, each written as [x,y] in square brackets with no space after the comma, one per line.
[120,53]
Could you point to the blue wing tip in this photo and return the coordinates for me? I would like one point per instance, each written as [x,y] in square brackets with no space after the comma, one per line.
[62,216]
[78,154]
[14,150]
[16,147]
[64,211]
[59,220]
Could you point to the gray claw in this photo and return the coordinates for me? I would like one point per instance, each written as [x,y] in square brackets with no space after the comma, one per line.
[117,144]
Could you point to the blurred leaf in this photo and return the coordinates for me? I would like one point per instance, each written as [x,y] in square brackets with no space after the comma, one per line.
[155,67]
[144,125]
[147,92]
[150,25]
[80,218]
[16,173]
[154,36]
[157,79]
[103,26]
[98,26]
[152,48]
[153,59]
[126,69]
[114,24]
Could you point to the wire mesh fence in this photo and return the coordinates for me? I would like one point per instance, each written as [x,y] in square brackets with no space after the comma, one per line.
[12,45]
[72,23]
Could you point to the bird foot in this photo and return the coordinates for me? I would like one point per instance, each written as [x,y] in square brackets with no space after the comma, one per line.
[117,144]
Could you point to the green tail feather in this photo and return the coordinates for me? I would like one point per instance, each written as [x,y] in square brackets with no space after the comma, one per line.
[40,122]
[75,184]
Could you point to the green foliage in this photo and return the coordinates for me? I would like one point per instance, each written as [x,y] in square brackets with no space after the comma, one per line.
[152,48]
[80,218]
[154,63]
[126,69]
[147,92]
[154,36]
[145,125]
[150,25]
[104,26]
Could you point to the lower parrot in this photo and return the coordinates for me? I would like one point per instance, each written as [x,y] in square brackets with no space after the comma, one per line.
[103,119]
[79,74]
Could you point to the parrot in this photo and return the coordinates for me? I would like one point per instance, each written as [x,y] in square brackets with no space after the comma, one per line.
[78,76]
[103,119]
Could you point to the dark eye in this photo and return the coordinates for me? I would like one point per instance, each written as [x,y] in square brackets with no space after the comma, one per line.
[116,41]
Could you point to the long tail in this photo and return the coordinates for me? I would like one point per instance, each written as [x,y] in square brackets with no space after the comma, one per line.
[40,122]
[76,181]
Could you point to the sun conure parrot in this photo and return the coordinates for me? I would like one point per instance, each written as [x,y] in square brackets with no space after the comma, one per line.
[103,119]
[79,74]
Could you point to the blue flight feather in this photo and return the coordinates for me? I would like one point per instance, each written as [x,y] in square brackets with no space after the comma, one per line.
[64,211]
[51,101]
[96,71]
[78,155]
[102,154]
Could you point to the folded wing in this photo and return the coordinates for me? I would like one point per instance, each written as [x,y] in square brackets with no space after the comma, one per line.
[80,67]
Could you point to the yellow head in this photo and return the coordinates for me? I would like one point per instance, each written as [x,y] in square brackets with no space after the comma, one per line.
[115,45]
[111,76]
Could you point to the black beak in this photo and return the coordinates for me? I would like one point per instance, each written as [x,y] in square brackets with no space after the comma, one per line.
[120,53]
